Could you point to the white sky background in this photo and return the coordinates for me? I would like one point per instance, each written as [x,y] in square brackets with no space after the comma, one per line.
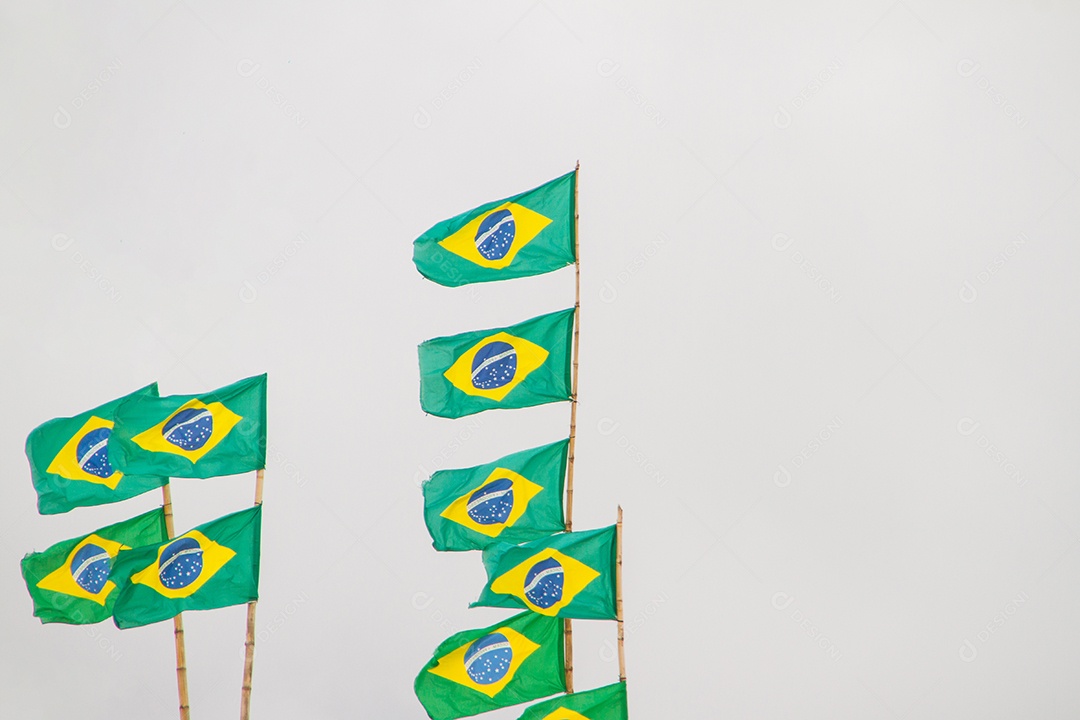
[828,359]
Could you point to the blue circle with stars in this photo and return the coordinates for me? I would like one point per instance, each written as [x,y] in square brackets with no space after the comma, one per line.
[189,429]
[491,504]
[90,568]
[544,583]
[92,451]
[488,659]
[181,563]
[494,365]
[495,235]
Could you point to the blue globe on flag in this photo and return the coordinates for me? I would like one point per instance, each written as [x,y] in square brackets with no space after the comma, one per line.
[493,503]
[181,563]
[189,429]
[488,659]
[495,236]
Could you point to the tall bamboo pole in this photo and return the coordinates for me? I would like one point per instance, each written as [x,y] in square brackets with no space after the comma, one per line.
[249,641]
[618,595]
[178,621]
[567,627]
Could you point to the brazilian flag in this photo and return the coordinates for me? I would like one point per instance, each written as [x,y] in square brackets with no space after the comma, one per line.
[513,367]
[570,575]
[605,703]
[219,433]
[474,671]
[527,234]
[69,461]
[213,566]
[513,499]
[70,583]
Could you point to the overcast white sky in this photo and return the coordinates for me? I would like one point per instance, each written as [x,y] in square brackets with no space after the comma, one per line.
[829,338]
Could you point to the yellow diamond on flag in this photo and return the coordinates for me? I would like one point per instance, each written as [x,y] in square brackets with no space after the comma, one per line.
[85,572]
[469,509]
[488,663]
[184,565]
[86,455]
[492,239]
[564,714]
[496,365]
[193,430]
[546,582]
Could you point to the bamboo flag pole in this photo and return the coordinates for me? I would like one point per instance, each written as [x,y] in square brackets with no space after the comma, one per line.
[249,641]
[178,621]
[618,595]
[568,629]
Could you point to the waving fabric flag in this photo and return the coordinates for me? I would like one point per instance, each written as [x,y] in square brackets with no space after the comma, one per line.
[570,575]
[70,583]
[514,499]
[213,566]
[605,703]
[515,661]
[69,461]
[219,433]
[527,234]
[514,367]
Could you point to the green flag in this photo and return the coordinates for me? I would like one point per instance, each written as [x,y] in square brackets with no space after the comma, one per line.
[69,461]
[527,234]
[70,583]
[213,566]
[605,703]
[513,367]
[218,433]
[570,575]
[514,499]
[515,661]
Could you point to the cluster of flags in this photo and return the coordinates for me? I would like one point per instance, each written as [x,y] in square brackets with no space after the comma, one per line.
[512,509]
[134,571]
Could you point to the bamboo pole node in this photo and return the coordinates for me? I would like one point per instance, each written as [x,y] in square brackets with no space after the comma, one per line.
[178,622]
[568,630]
[249,639]
[618,596]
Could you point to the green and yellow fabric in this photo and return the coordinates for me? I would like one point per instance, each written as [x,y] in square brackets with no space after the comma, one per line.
[605,703]
[512,367]
[511,662]
[527,234]
[69,460]
[212,566]
[570,575]
[514,499]
[69,583]
[197,436]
